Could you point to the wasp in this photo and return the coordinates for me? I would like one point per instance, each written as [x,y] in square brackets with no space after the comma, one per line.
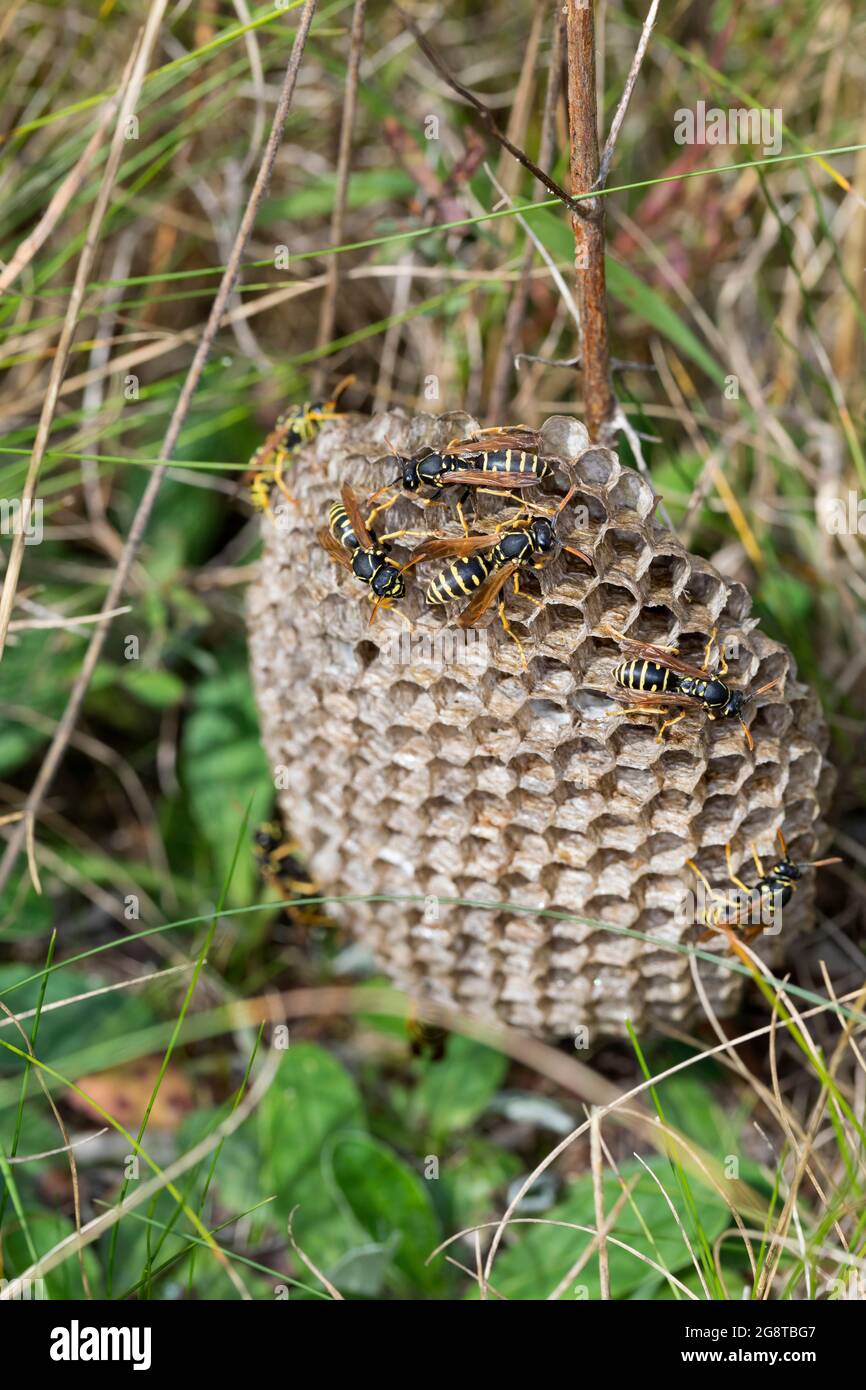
[280,866]
[296,426]
[483,565]
[658,681]
[351,544]
[425,1039]
[511,458]
[768,896]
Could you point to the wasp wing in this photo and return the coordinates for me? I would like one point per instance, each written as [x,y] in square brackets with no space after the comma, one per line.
[663,655]
[653,701]
[334,549]
[472,477]
[489,590]
[439,547]
[522,439]
[356,521]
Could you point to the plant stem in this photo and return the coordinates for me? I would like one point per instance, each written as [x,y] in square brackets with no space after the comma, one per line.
[588,221]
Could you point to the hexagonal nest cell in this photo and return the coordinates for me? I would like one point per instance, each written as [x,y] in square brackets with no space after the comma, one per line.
[428,763]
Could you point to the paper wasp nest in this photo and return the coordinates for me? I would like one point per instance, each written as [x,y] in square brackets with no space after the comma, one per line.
[433,765]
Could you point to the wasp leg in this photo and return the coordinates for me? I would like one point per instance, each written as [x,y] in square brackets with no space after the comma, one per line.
[709,651]
[278,478]
[757,858]
[395,535]
[669,724]
[713,896]
[744,887]
[260,495]
[382,507]
[539,603]
[388,605]
[494,492]
[635,709]
[464,497]
[513,635]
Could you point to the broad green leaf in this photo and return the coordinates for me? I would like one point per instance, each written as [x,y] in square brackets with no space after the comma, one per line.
[223,765]
[472,1183]
[543,1255]
[62,1031]
[312,1101]
[312,1098]
[455,1091]
[388,1199]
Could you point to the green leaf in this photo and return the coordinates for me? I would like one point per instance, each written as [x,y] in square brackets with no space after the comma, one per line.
[161,689]
[388,1199]
[316,198]
[543,1255]
[311,1099]
[223,766]
[23,912]
[362,1272]
[648,304]
[62,1031]
[455,1090]
[472,1183]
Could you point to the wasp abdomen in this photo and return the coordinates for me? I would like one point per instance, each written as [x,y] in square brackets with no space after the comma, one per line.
[460,580]
[641,674]
[341,527]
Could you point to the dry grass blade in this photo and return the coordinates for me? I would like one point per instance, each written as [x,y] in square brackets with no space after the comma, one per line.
[131,90]
[619,116]
[139,524]
[344,159]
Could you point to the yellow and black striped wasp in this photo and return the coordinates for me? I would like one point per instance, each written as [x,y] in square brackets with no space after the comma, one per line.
[296,426]
[759,903]
[353,546]
[500,461]
[425,1039]
[482,565]
[654,681]
[280,867]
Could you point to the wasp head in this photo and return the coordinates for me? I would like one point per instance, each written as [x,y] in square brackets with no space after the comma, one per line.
[786,871]
[267,838]
[543,535]
[388,583]
[734,704]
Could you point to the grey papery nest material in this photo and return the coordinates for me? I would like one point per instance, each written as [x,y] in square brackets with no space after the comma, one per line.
[416,770]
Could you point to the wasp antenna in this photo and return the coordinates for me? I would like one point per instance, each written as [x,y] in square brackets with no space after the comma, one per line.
[769,686]
[342,385]
[822,863]
[782,846]
[568,496]
[581,555]
[750,742]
